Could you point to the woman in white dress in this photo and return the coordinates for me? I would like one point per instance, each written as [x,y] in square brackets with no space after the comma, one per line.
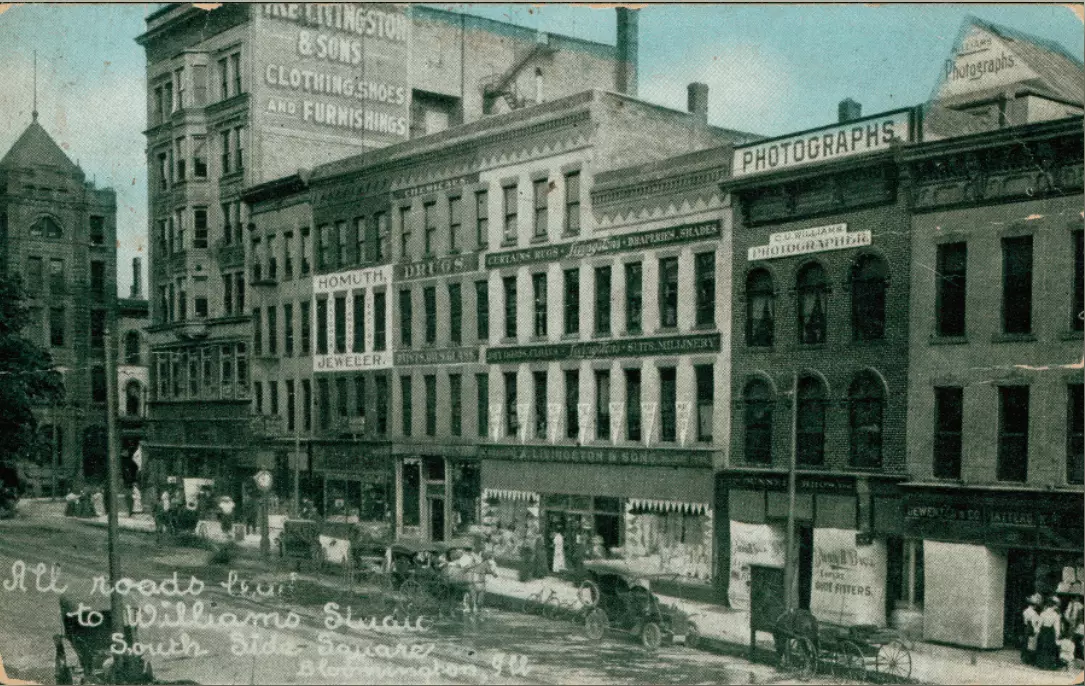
[558,565]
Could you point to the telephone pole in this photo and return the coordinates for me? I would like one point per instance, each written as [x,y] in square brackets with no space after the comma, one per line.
[790,581]
[113,472]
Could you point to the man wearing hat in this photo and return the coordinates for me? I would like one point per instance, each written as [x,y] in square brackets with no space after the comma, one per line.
[1030,627]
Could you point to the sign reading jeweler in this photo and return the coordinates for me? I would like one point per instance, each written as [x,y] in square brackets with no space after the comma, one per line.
[804,241]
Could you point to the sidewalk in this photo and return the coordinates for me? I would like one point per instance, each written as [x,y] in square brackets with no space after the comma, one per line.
[723,630]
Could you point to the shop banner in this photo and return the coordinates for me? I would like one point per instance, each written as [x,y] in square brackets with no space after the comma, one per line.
[848,586]
[617,413]
[553,421]
[648,419]
[752,544]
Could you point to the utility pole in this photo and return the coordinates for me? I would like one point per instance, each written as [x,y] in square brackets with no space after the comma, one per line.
[113,471]
[297,468]
[790,563]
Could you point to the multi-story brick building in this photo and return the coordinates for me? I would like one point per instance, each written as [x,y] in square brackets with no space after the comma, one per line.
[243,94]
[133,375]
[58,231]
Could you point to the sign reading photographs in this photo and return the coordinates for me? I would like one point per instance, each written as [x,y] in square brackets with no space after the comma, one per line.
[982,61]
[350,296]
[805,241]
[870,134]
[339,68]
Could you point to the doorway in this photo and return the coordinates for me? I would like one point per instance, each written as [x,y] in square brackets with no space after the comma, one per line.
[806,563]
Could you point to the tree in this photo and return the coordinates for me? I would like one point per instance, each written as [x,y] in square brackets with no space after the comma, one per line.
[27,377]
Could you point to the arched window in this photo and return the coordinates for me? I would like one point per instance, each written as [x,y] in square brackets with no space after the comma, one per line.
[758,412]
[131,347]
[811,421]
[760,308]
[133,398]
[869,276]
[812,289]
[46,226]
[866,408]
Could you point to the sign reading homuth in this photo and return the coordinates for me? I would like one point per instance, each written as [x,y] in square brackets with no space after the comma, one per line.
[804,241]
[871,134]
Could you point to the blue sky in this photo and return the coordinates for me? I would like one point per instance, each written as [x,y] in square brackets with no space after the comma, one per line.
[770,69]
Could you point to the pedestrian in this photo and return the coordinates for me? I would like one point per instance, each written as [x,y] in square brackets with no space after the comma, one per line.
[558,564]
[1050,632]
[1074,623]
[226,513]
[1030,626]
[137,500]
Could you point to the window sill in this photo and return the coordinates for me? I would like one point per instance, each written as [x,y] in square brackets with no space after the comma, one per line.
[935,339]
[708,326]
[508,243]
[813,346]
[570,234]
[1013,338]
[632,333]
[570,337]
[232,175]
[539,339]
[508,341]
[602,334]
[1071,335]
[539,239]
[667,330]
[760,348]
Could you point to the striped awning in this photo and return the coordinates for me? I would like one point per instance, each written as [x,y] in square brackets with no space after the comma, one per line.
[507,494]
[668,506]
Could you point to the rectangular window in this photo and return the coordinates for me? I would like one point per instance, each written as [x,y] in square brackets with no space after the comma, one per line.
[405,404]
[258,397]
[272,332]
[429,217]
[705,402]
[324,403]
[325,247]
[602,404]
[179,158]
[359,395]
[430,382]
[667,400]
[359,321]
[455,314]
[199,157]
[235,70]
[1077,313]
[288,329]
[380,390]
[571,278]
[224,79]
[361,231]
[509,284]
[97,280]
[305,264]
[163,171]
[482,219]
[224,142]
[704,268]
[97,329]
[200,307]
[455,223]
[572,202]
[56,327]
[340,323]
[257,260]
[1013,408]
[56,277]
[510,202]
[952,261]
[538,380]
[632,405]
[948,421]
[482,311]
[306,405]
[227,231]
[381,250]
[257,332]
[538,284]
[239,292]
[322,326]
[406,318]
[540,191]
[306,328]
[511,423]
[97,230]
[97,384]
[429,305]
[455,404]
[273,397]
[572,403]
[291,405]
[404,233]
[199,227]
[380,329]
[35,276]
[1075,434]
[602,301]
[482,404]
[668,292]
[272,259]
[634,297]
[1017,285]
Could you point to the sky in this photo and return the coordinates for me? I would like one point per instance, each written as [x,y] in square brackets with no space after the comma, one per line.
[771,69]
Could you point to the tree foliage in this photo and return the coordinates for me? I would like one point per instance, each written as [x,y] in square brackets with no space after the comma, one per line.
[27,375]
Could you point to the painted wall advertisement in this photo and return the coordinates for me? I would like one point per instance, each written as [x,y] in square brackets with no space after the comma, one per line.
[335,69]
[340,295]
[982,61]
[752,544]
[848,585]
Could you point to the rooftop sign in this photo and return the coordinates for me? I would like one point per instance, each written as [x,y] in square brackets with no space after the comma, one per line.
[827,144]
[982,61]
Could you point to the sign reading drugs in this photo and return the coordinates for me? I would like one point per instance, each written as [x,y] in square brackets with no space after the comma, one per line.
[804,241]
[867,135]
[335,68]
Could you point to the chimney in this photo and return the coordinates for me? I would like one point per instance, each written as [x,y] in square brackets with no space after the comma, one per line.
[626,49]
[137,279]
[697,101]
[848,110]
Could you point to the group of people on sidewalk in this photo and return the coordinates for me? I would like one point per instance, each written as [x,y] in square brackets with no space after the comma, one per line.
[1052,631]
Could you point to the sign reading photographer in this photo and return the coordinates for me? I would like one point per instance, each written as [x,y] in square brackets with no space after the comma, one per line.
[805,241]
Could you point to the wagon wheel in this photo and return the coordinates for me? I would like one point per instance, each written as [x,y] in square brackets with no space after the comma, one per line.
[412,590]
[800,657]
[596,623]
[651,636]
[588,593]
[850,661]
[894,659]
[693,636]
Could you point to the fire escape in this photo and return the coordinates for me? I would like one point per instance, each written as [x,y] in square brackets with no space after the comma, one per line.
[504,85]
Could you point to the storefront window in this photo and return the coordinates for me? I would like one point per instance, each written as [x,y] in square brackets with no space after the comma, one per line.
[866,400]
[668,538]
[466,490]
[411,493]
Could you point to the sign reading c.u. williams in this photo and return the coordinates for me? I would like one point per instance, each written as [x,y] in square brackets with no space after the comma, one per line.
[826,144]
[805,241]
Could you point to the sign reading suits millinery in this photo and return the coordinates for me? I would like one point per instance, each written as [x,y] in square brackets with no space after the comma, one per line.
[870,134]
[804,241]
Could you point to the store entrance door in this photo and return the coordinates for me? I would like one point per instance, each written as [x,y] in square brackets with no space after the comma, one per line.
[436,518]
[806,563]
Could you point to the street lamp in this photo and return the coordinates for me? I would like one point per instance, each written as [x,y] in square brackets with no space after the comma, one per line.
[263,483]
